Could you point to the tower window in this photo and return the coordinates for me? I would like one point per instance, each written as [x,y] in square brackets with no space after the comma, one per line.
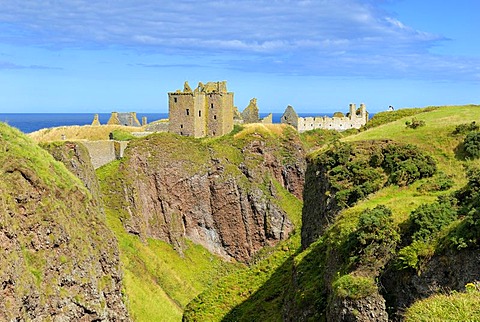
[211,105]
[175,99]
[181,126]
[188,111]
[199,113]
[214,117]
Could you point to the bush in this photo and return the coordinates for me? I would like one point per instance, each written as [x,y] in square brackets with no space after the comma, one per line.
[467,234]
[121,135]
[406,164]
[429,219]
[356,171]
[465,128]
[411,256]
[471,144]
[441,182]
[414,123]
[376,236]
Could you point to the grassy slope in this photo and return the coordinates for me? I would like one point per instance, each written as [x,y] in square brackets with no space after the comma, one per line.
[65,208]
[85,132]
[159,282]
[266,302]
[435,138]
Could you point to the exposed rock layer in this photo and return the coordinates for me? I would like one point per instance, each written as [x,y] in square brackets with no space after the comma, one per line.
[222,195]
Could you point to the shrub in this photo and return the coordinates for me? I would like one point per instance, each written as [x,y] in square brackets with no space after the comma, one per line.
[471,144]
[429,219]
[467,234]
[121,135]
[406,164]
[414,123]
[440,182]
[465,128]
[376,236]
[469,196]
[411,255]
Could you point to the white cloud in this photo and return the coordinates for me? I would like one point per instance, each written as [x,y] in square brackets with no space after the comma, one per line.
[322,36]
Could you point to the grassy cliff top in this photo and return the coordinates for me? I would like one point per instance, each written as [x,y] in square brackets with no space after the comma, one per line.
[76,132]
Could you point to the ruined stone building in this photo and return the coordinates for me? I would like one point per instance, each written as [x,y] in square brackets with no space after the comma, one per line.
[353,120]
[127,119]
[205,111]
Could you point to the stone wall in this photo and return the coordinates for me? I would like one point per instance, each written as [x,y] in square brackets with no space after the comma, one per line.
[354,120]
[103,152]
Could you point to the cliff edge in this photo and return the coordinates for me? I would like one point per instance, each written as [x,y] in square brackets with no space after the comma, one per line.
[219,193]
[59,260]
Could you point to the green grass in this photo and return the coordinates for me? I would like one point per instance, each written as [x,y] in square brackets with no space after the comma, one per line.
[159,281]
[329,256]
[241,295]
[446,307]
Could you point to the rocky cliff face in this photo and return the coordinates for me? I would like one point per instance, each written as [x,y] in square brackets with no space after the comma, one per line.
[58,261]
[218,193]
[449,271]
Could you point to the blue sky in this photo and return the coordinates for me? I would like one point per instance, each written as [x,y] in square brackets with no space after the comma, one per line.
[318,55]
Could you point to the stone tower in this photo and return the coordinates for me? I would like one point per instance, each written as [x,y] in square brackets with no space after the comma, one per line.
[206,111]
[96,121]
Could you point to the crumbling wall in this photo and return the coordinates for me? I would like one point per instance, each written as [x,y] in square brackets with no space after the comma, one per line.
[103,152]
[353,120]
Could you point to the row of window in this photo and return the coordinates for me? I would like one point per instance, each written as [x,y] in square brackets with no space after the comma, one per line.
[175,101]
[199,114]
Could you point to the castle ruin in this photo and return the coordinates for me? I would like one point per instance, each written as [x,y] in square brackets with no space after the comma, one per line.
[353,120]
[206,111]
[126,119]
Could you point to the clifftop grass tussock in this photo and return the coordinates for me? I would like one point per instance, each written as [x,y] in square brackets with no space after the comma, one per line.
[75,132]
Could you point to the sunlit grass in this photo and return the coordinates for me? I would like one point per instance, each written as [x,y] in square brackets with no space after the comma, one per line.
[76,132]
[446,307]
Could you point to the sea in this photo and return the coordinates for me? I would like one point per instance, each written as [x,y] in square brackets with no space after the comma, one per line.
[31,122]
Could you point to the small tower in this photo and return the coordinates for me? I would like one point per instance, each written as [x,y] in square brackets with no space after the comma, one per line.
[96,121]
[353,110]
[363,110]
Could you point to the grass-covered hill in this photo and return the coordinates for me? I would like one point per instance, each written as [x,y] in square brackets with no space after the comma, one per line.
[387,229]
[234,195]
[85,132]
[58,259]
[402,229]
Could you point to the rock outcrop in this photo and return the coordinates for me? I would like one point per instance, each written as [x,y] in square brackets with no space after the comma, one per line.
[449,271]
[221,195]
[366,309]
[59,261]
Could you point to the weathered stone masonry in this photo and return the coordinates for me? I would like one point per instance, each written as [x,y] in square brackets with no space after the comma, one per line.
[354,120]
[206,111]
